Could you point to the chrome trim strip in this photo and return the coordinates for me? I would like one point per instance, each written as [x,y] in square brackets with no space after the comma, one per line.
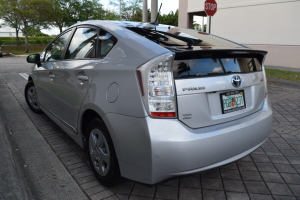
[62,121]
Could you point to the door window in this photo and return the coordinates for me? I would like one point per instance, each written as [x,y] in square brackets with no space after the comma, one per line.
[82,44]
[55,50]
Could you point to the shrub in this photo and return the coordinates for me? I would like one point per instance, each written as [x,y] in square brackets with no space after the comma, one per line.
[11,41]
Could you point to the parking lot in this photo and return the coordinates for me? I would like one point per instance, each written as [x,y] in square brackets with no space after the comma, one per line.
[270,172]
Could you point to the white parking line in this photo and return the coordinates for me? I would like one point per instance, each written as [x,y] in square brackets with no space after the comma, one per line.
[24,75]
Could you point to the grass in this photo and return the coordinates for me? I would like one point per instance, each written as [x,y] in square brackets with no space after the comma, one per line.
[284,75]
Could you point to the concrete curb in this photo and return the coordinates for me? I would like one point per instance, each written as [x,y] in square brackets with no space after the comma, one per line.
[33,168]
[9,173]
[283,68]
[284,83]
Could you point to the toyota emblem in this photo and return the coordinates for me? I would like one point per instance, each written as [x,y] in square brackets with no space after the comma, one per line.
[236,81]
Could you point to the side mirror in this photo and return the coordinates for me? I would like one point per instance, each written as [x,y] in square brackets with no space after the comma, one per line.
[34,58]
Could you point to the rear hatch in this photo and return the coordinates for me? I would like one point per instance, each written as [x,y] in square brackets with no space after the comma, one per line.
[217,86]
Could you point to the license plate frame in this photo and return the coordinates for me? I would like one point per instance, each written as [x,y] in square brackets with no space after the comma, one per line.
[232,101]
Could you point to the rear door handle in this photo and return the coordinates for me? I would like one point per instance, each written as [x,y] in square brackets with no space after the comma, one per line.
[83,78]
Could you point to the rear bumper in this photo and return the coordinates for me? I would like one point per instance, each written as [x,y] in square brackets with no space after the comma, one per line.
[157,149]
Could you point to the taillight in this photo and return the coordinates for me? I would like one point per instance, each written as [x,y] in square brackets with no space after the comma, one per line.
[157,86]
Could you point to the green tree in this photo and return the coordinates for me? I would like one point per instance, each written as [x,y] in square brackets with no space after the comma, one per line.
[30,13]
[169,19]
[59,14]
[131,10]
[36,32]
[10,18]
[204,28]
[110,15]
[65,13]
[196,26]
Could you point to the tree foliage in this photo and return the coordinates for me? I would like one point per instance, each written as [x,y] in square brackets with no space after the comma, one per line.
[30,16]
[131,10]
[169,19]
[27,14]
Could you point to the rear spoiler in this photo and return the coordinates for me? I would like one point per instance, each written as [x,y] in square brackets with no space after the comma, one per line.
[224,53]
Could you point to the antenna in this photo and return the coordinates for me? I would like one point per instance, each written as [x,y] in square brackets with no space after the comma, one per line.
[156,20]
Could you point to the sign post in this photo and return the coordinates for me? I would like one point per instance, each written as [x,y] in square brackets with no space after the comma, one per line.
[210,8]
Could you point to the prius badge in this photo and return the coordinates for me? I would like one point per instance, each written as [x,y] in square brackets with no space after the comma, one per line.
[236,81]
[193,88]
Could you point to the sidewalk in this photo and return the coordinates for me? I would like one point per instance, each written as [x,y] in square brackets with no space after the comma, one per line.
[11,183]
[29,168]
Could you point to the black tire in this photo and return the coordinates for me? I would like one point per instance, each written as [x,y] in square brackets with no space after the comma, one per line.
[31,97]
[102,154]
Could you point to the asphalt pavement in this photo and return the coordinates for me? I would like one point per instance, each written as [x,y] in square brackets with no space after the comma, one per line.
[39,161]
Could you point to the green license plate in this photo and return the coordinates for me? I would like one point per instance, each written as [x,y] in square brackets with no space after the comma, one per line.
[232,101]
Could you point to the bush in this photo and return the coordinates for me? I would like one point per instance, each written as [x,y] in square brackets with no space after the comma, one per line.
[12,49]
[11,41]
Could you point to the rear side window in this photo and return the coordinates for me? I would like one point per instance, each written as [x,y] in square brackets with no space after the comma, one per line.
[214,66]
[106,41]
[54,51]
[82,44]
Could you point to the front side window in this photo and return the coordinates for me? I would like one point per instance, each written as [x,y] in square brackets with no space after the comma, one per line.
[106,41]
[82,44]
[55,50]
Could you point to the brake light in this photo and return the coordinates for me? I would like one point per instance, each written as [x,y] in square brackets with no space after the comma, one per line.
[156,83]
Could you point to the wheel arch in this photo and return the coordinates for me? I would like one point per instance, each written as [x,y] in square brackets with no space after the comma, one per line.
[86,117]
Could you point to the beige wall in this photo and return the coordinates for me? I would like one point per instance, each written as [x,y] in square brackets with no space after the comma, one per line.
[272,25]
[276,23]
[281,55]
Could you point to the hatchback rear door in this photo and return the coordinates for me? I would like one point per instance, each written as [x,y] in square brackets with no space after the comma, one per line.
[217,86]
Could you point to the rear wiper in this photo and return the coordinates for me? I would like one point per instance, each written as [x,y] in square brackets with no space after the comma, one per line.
[189,41]
[152,35]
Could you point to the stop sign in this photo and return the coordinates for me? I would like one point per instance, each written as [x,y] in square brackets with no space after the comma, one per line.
[210,7]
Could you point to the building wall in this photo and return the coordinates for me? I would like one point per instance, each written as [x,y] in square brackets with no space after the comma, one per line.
[271,25]
[9,32]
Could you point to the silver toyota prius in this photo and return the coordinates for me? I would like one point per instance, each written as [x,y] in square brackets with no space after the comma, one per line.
[150,102]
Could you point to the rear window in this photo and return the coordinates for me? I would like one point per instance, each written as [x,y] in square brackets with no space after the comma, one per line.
[176,38]
[214,66]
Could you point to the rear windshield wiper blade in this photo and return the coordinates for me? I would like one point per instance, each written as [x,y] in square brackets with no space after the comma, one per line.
[155,36]
[189,41]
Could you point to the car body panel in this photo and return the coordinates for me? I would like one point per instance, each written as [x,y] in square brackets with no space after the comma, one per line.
[200,108]
[172,143]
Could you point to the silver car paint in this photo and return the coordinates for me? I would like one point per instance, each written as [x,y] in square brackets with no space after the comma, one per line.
[66,89]
[203,107]
[150,149]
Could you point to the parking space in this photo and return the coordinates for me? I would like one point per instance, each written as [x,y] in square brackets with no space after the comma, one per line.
[271,172]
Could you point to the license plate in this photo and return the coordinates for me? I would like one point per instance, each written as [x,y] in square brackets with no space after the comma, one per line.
[232,101]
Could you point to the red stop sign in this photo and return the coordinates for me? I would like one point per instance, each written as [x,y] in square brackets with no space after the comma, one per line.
[210,7]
